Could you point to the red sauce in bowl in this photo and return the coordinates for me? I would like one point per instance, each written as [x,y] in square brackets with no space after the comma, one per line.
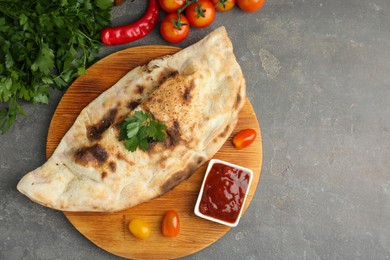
[224,192]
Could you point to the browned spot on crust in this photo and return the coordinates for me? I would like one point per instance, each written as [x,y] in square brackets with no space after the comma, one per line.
[200,160]
[178,178]
[224,132]
[221,135]
[238,100]
[95,154]
[161,163]
[112,166]
[123,158]
[148,69]
[187,92]
[176,125]
[119,120]
[173,136]
[133,104]
[151,146]
[166,74]
[104,175]
[139,89]
[151,99]
[94,132]
[119,156]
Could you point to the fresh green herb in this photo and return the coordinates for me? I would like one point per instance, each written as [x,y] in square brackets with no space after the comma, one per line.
[140,131]
[45,44]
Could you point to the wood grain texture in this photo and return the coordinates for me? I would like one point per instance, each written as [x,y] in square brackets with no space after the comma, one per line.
[110,230]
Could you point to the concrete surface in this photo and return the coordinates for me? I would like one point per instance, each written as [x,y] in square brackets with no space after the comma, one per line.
[318,75]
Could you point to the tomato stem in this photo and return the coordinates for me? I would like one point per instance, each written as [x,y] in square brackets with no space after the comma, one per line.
[199,11]
[177,23]
[189,2]
[221,2]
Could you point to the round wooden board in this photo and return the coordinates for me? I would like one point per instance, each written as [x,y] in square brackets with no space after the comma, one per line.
[110,230]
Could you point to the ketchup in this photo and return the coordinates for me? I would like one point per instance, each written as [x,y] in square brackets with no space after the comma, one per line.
[224,192]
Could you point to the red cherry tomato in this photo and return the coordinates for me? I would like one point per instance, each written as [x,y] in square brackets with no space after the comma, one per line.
[201,14]
[244,138]
[170,224]
[174,31]
[250,5]
[224,5]
[171,6]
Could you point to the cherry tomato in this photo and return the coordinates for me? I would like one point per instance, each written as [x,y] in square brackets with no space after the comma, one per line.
[244,138]
[172,30]
[139,228]
[224,5]
[201,14]
[171,6]
[171,224]
[250,5]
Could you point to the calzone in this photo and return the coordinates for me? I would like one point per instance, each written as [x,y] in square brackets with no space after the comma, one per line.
[197,93]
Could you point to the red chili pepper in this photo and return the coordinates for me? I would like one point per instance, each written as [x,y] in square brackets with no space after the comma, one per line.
[134,31]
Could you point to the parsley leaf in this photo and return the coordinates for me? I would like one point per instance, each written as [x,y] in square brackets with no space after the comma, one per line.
[45,45]
[141,116]
[132,129]
[103,4]
[160,136]
[131,144]
[141,130]
[45,59]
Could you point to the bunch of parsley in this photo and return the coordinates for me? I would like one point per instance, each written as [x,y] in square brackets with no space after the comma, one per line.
[45,44]
[141,130]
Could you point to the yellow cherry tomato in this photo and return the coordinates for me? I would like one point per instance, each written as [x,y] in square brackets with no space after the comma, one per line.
[139,228]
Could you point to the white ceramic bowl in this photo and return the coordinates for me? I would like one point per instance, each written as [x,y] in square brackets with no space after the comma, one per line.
[200,214]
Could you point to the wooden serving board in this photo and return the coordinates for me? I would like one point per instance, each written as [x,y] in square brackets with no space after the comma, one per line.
[110,230]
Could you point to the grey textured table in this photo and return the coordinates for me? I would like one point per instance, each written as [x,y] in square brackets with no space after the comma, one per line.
[318,76]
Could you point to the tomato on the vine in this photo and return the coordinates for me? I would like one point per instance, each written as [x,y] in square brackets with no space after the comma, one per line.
[224,5]
[201,14]
[250,5]
[171,6]
[244,138]
[173,29]
[171,224]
